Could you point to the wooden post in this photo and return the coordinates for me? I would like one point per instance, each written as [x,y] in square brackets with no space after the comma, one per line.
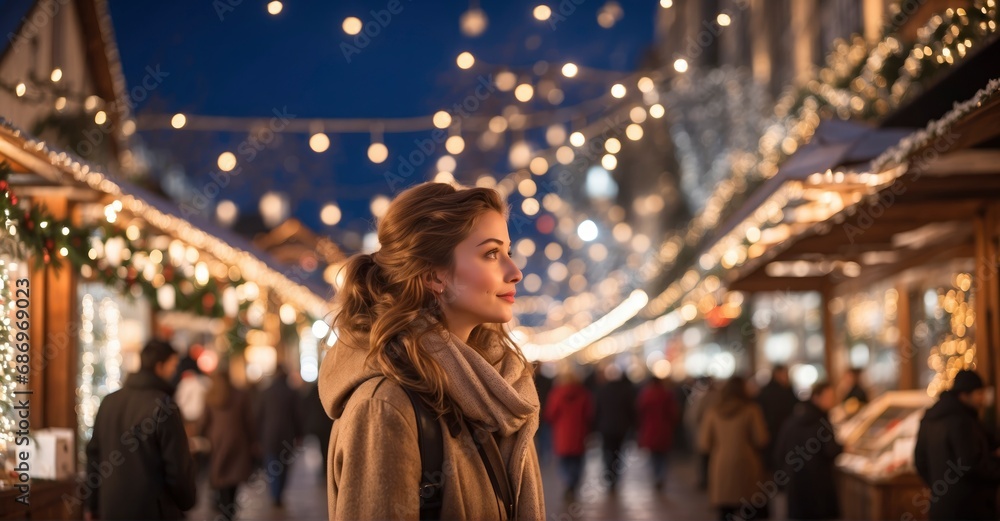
[983,280]
[987,287]
[55,349]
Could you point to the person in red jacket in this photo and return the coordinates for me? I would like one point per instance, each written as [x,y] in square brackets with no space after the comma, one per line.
[570,411]
[657,408]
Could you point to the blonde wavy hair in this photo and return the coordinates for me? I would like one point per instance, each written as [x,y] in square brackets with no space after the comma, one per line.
[383,296]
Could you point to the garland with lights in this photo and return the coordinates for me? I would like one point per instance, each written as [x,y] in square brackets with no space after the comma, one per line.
[43,237]
[40,234]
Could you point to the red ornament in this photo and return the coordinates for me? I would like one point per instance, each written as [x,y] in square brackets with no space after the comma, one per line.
[208,301]
[46,258]
[3,185]
[29,224]
[49,244]
[13,199]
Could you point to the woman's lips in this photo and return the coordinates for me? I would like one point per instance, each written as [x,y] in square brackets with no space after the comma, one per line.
[509,297]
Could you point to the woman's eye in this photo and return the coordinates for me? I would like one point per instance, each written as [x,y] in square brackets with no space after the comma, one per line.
[492,254]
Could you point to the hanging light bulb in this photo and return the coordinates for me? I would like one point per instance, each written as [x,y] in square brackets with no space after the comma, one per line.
[505,80]
[454,145]
[465,60]
[610,13]
[474,21]
[377,151]
[634,131]
[274,208]
[319,142]
[524,92]
[330,215]
[226,212]
[442,119]
[352,25]
[520,154]
[646,84]
[227,161]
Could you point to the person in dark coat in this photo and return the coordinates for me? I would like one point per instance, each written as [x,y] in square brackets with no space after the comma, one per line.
[615,415]
[570,411]
[543,436]
[658,418]
[138,454]
[777,400]
[281,430]
[807,449]
[317,423]
[228,424]
[954,454]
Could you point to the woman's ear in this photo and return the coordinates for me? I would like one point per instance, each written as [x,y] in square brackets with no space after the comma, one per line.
[432,282]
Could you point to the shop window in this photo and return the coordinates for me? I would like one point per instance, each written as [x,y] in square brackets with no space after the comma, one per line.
[789,331]
[866,334]
[113,329]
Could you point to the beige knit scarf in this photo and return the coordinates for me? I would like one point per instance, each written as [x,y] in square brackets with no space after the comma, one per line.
[504,399]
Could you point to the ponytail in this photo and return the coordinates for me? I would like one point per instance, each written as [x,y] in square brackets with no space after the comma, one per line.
[363,284]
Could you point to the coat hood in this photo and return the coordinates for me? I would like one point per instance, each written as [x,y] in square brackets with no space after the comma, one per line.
[343,369]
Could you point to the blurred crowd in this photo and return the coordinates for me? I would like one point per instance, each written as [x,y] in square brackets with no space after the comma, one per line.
[744,436]
[233,433]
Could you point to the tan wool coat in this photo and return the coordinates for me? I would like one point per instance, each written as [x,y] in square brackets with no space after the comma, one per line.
[374,469]
[734,437]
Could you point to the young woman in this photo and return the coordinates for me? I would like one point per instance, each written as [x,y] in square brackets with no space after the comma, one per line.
[425,313]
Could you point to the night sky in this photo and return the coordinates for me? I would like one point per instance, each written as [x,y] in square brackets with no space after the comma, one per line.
[246,62]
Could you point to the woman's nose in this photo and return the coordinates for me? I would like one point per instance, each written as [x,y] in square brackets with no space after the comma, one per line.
[513,273]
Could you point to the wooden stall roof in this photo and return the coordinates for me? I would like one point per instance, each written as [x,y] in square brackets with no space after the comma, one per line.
[835,143]
[925,213]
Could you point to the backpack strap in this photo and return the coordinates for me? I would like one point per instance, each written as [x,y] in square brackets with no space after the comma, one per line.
[489,452]
[431,458]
